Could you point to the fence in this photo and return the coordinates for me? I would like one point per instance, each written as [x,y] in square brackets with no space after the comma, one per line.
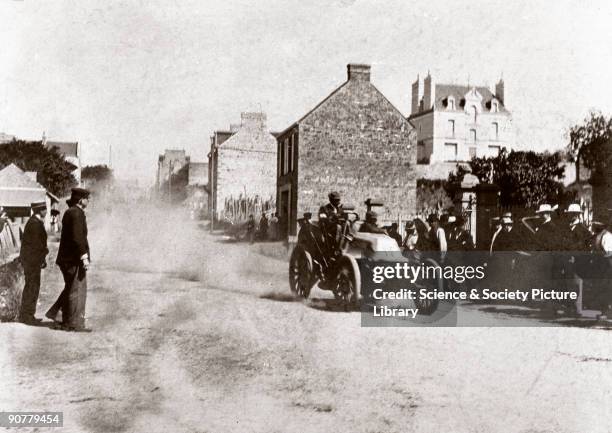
[239,209]
[10,241]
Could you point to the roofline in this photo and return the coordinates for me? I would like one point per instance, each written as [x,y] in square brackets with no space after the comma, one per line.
[311,111]
[390,103]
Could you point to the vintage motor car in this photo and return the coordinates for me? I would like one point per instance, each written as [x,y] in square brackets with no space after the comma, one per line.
[336,263]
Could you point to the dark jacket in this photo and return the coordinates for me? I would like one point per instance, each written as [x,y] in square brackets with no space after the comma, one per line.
[34,243]
[73,243]
[368,227]
[460,239]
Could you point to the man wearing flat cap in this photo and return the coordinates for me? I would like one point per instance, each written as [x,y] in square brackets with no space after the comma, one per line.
[32,256]
[328,221]
[370,225]
[73,260]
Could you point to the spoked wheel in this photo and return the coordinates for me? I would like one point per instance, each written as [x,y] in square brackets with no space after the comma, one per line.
[429,306]
[349,283]
[300,272]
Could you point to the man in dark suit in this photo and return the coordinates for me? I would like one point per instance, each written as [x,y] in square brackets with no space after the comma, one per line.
[32,257]
[73,260]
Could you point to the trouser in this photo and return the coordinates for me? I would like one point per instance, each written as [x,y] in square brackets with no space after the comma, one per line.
[29,296]
[72,300]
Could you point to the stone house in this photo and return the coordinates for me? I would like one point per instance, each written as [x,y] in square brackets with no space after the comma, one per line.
[171,162]
[242,168]
[354,141]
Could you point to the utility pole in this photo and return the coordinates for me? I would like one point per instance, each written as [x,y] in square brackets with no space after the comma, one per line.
[170,169]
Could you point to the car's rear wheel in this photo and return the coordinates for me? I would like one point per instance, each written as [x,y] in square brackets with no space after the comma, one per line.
[428,306]
[301,274]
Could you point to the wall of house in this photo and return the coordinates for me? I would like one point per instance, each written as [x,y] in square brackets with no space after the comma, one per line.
[246,164]
[357,143]
[486,143]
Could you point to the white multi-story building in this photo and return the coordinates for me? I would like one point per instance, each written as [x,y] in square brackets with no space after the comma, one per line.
[456,122]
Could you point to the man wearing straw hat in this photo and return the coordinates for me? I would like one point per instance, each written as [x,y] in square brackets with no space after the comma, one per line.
[576,235]
[73,260]
[32,257]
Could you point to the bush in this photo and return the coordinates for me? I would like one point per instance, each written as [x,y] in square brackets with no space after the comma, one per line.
[11,285]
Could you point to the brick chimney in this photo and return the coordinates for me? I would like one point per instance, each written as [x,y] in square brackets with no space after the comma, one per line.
[358,72]
[499,91]
[415,96]
[429,92]
[253,120]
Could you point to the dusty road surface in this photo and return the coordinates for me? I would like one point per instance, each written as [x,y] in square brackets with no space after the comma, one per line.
[194,334]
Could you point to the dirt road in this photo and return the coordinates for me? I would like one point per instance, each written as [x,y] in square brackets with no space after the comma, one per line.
[194,334]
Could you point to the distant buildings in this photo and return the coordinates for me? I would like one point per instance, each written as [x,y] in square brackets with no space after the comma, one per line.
[242,166]
[456,122]
[70,150]
[354,141]
[171,162]
[6,138]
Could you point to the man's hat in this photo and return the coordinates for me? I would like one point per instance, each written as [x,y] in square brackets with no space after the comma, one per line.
[54,212]
[39,205]
[573,208]
[452,218]
[433,218]
[334,195]
[371,214]
[545,208]
[410,225]
[307,215]
[79,193]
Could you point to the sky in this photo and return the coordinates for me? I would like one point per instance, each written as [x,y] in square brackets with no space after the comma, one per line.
[140,76]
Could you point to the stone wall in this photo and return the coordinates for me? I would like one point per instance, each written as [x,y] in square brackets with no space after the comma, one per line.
[356,142]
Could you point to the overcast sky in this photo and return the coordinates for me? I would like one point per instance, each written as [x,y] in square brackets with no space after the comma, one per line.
[144,75]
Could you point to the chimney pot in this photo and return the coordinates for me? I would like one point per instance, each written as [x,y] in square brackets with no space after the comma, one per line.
[358,71]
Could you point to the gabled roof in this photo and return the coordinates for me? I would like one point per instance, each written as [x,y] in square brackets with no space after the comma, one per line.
[17,189]
[443,91]
[278,134]
[66,148]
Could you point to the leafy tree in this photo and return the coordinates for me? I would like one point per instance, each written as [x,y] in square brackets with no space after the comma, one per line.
[97,173]
[524,178]
[432,196]
[587,140]
[54,172]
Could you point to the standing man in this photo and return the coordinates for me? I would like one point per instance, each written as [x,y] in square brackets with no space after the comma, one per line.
[73,260]
[393,232]
[437,236]
[33,255]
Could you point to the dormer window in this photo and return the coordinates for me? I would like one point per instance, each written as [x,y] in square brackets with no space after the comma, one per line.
[451,103]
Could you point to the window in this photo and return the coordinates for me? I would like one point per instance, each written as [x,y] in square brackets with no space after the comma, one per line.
[494,150]
[472,151]
[496,130]
[474,113]
[451,103]
[286,156]
[451,128]
[494,106]
[290,154]
[473,135]
[450,151]
[281,158]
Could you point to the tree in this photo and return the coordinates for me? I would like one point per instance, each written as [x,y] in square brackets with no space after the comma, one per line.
[97,173]
[53,171]
[524,178]
[588,138]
